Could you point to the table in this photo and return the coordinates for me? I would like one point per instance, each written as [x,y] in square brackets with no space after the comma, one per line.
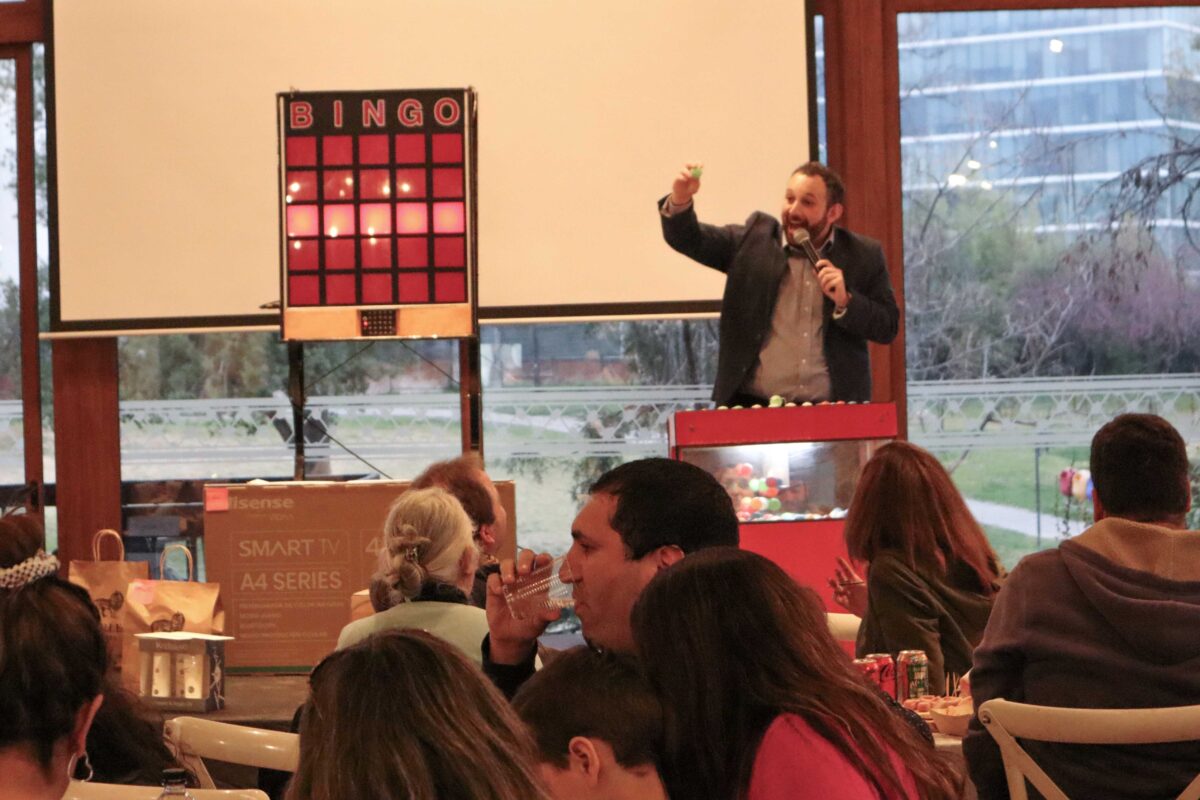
[261,701]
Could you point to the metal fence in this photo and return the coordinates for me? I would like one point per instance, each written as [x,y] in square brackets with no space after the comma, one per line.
[399,433]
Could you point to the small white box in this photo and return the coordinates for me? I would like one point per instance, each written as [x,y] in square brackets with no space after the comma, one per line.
[183,671]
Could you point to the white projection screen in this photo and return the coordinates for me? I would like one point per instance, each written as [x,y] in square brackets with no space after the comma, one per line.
[164,196]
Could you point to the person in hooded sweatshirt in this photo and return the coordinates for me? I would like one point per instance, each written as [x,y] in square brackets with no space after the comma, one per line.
[1109,619]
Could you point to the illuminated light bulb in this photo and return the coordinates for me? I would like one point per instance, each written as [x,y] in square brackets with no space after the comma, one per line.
[985,185]
[349,181]
[372,239]
[295,245]
[295,187]
[404,187]
[287,198]
[387,189]
[973,164]
[993,144]
[371,232]
[956,180]
[342,193]
[333,232]
[1056,45]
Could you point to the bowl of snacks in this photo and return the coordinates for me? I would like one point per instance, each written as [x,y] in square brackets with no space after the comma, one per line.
[953,718]
[949,714]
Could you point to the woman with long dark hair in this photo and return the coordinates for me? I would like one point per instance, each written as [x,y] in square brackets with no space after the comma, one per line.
[932,576]
[124,742]
[403,715]
[52,671]
[760,701]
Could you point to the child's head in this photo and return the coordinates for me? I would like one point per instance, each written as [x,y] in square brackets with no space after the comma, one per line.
[598,726]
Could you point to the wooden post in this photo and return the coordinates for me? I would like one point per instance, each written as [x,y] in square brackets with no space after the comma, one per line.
[87,442]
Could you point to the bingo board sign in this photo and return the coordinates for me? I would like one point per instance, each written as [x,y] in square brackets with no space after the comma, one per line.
[377,210]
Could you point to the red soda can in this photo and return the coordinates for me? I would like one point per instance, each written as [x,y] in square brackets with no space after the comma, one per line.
[868,668]
[912,674]
[887,672]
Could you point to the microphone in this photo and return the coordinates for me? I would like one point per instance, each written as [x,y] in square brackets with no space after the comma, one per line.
[804,242]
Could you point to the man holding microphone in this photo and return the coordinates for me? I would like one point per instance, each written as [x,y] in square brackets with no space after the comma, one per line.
[799,308]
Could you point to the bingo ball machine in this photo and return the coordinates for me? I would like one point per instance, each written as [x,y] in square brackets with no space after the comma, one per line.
[790,472]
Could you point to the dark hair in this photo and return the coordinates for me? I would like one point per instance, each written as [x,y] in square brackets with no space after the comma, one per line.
[20,537]
[905,502]
[458,477]
[730,642]
[835,190]
[1139,466]
[405,715]
[603,696]
[661,501]
[52,662]
[125,743]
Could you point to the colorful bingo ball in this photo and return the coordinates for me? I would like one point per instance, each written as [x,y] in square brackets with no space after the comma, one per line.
[770,491]
[774,504]
[774,482]
[697,172]
[776,401]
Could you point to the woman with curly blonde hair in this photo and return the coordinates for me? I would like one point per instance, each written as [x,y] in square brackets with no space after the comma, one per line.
[426,569]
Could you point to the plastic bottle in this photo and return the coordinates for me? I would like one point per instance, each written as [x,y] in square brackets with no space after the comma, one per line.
[174,781]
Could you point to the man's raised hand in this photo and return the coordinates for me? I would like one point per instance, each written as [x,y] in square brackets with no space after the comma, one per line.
[686,184]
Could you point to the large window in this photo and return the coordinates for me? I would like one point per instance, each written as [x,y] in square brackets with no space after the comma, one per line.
[216,407]
[18,89]
[12,463]
[1052,274]
[562,403]
[565,402]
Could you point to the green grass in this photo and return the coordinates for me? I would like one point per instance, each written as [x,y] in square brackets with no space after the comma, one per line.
[1011,546]
[1006,475]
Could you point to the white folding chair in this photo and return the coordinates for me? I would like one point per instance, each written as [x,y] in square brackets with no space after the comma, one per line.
[192,740]
[79,790]
[1007,721]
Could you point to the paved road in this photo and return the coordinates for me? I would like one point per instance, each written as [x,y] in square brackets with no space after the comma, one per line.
[1019,519]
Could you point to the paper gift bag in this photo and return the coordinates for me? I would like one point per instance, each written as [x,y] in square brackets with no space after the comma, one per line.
[164,606]
[106,582]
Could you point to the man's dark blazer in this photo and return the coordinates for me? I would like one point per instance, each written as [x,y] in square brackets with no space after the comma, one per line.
[754,262]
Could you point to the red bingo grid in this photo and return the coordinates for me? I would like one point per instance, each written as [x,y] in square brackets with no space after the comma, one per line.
[376,191]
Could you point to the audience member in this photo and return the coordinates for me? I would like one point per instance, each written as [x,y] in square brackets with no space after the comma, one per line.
[465,478]
[427,566]
[932,575]
[1108,619]
[404,716]
[52,669]
[641,518]
[124,743]
[598,727]
[760,702]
